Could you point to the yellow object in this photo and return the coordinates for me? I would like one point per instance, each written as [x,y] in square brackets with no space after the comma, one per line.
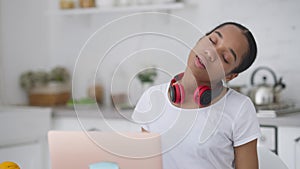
[9,165]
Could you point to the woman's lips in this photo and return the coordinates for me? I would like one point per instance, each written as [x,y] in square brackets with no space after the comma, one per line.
[199,63]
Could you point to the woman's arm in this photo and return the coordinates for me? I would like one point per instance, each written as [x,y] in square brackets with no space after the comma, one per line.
[246,156]
[143,130]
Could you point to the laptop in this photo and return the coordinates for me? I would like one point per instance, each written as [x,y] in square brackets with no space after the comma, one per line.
[99,150]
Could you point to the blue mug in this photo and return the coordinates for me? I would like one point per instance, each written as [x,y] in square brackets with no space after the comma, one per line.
[104,165]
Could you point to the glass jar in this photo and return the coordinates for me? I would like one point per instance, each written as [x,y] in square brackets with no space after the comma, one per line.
[66,4]
[87,3]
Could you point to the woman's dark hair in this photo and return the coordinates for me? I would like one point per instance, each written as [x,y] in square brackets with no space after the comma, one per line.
[250,55]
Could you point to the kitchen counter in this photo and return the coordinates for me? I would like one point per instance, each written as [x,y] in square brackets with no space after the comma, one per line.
[91,111]
[292,120]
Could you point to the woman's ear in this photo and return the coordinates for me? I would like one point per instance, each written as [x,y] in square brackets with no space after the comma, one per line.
[230,76]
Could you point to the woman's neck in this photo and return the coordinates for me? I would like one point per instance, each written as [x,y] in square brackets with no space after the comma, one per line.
[190,83]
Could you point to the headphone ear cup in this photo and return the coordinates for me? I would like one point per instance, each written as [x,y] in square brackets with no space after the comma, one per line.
[177,93]
[202,96]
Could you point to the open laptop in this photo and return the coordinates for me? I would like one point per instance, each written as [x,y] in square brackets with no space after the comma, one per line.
[89,150]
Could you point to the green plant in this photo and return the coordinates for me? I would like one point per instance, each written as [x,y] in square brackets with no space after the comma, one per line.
[59,74]
[147,75]
[31,79]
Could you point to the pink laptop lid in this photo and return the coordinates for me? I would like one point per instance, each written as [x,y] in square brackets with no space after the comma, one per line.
[78,149]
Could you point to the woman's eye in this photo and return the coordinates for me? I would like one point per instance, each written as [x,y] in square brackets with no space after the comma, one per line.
[212,41]
[225,60]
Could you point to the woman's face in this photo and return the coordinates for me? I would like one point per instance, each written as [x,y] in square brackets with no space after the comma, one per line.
[217,54]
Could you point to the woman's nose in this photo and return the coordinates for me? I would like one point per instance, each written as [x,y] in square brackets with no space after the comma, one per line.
[211,55]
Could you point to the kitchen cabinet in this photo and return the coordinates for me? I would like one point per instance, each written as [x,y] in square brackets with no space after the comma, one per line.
[26,155]
[297,150]
[23,136]
[269,137]
[287,146]
[279,135]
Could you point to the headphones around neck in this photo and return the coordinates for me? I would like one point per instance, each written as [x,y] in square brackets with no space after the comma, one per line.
[202,95]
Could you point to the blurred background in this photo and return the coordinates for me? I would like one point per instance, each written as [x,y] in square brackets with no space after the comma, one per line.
[40,35]
[57,53]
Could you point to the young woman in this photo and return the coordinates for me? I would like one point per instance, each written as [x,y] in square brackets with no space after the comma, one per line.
[220,55]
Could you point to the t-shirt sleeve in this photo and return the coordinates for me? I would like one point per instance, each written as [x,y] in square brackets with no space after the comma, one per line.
[245,126]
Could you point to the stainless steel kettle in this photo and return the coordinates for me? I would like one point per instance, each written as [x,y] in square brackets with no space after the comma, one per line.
[263,94]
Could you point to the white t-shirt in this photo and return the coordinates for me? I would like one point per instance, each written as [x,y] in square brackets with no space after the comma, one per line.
[201,138]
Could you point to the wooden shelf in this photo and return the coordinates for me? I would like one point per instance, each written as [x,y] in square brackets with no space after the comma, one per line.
[135,8]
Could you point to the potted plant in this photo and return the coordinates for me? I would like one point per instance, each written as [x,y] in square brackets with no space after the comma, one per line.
[46,88]
[147,77]
[30,79]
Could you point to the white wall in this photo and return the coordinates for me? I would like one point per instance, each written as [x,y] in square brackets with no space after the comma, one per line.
[24,44]
[273,22]
[1,70]
[276,29]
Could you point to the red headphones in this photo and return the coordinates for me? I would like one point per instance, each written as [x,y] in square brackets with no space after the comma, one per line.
[202,95]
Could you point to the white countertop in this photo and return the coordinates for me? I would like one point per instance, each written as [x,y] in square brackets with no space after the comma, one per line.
[90,111]
[108,112]
[292,120]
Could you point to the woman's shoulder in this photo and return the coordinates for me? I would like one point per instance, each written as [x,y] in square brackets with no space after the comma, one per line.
[238,99]
[238,105]
[237,96]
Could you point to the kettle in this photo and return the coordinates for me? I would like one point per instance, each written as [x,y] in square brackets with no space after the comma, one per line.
[264,94]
